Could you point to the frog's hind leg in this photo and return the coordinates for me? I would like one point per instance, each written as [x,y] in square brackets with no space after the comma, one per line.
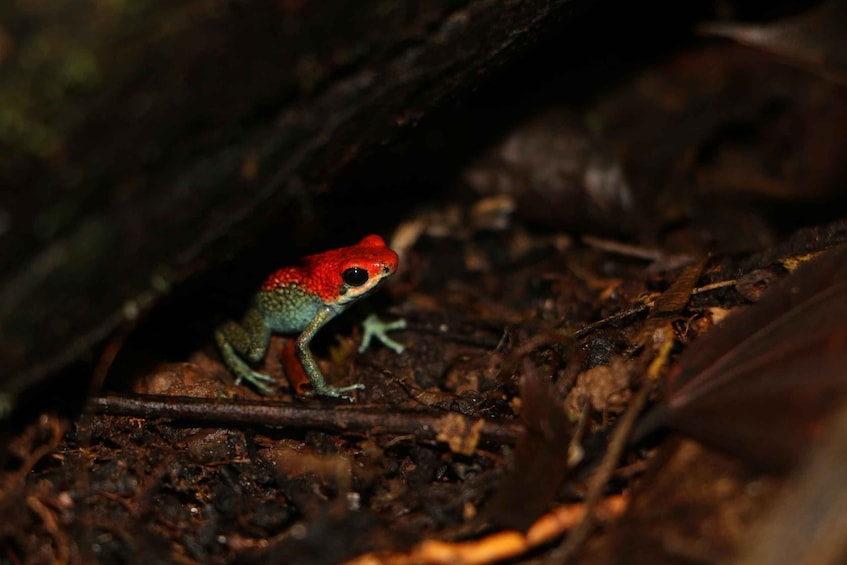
[248,340]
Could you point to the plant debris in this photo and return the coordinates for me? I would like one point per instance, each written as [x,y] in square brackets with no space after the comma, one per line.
[633,262]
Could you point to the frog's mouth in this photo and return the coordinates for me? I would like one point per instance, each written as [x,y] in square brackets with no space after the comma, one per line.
[346,296]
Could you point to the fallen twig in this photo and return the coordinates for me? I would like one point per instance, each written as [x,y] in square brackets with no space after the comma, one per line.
[420,424]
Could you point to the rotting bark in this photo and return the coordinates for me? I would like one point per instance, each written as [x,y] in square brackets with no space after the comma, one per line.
[194,123]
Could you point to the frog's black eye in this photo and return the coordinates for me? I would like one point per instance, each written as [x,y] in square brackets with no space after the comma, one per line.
[355,276]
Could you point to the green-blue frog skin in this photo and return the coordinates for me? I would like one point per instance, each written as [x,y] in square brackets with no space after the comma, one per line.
[302,299]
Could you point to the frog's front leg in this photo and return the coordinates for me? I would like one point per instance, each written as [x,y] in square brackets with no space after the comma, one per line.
[248,340]
[319,384]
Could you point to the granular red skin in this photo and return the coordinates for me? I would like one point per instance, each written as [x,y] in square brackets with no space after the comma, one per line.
[320,274]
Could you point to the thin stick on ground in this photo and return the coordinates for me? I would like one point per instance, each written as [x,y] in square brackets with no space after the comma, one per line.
[602,475]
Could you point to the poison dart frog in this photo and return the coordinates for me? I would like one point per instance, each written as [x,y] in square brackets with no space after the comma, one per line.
[303,299]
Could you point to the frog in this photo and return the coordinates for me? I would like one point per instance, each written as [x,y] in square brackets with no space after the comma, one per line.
[302,299]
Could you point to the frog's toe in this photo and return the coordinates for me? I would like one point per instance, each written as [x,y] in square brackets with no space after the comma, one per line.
[263,383]
[340,391]
[375,328]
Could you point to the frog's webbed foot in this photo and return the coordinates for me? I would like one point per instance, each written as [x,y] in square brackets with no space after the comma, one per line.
[263,383]
[376,328]
[342,392]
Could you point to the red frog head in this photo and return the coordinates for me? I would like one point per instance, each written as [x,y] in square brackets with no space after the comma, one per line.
[342,275]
